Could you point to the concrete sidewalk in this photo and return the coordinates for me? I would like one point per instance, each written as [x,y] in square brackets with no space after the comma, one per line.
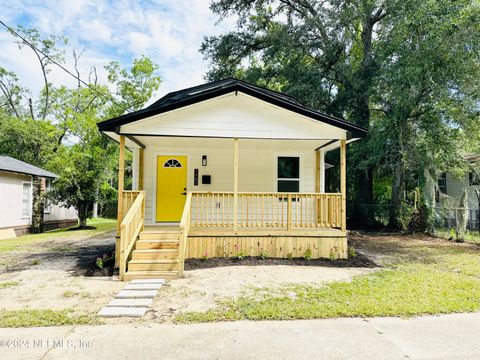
[436,337]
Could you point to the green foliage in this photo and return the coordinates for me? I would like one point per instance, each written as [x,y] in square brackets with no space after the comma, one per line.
[32,141]
[7,284]
[134,87]
[101,261]
[333,253]
[422,218]
[351,252]
[308,254]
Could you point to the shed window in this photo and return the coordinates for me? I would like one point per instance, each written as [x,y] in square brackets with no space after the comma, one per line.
[442,183]
[473,179]
[288,174]
[26,199]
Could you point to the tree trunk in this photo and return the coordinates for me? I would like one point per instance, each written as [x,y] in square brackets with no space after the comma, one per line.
[38,205]
[95,210]
[396,199]
[363,212]
[82,215]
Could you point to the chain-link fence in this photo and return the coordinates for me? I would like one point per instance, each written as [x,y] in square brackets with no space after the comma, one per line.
[455,223]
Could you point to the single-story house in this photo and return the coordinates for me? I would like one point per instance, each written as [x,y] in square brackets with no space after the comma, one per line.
[228,168]
[16,193]
[456,186]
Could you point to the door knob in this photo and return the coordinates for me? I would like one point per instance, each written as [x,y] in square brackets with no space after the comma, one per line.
[184,193]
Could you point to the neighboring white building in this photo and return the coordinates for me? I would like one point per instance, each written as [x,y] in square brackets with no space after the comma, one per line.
[16,199]
[454,187]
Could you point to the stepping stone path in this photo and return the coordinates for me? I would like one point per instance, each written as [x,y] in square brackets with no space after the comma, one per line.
[134,300]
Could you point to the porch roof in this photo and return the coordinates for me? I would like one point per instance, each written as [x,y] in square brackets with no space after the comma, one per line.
[197,94]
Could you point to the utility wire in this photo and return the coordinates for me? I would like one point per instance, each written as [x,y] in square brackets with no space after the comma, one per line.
[14,33]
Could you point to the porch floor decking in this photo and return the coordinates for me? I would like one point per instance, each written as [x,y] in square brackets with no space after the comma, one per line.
[250,231]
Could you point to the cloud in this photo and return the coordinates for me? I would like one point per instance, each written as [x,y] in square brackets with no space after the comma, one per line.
[169,32]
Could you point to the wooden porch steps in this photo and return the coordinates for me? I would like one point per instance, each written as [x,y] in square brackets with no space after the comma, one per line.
[155,255]
[167,275]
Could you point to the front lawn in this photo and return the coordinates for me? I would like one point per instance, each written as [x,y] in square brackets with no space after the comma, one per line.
[37,317]
[19,243]
[419,277]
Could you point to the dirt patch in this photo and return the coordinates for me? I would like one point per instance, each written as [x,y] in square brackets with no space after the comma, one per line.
[61,274]
[360,261]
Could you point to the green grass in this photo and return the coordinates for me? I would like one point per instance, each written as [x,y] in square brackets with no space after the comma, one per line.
[62,248]
[472,237]
[7,284]
[33,317]
[22,242]
[431,280]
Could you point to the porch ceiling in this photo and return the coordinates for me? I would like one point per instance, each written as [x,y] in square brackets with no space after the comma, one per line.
[227,143]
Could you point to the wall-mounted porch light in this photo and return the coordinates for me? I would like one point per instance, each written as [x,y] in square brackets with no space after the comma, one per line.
[204,160]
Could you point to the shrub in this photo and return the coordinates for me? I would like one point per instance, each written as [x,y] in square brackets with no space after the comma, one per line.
[351,252]
[333,253]
[308,254]
[101,261]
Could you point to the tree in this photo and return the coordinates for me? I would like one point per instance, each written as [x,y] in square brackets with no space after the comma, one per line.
[59,130]
[85,166]
[402,68]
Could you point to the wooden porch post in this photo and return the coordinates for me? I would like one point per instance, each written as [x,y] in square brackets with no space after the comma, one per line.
[121,180]
[140,169]
[343,182]
[320,171]
[235,184]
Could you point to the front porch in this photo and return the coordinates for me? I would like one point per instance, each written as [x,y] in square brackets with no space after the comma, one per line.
[231,224]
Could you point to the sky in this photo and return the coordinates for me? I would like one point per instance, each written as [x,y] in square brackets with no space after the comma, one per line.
[170,32]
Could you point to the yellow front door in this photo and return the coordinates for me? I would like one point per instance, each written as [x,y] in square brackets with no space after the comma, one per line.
[171,187]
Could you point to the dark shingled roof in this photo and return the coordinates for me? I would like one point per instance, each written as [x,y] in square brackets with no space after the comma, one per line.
[192,95]
[10,164]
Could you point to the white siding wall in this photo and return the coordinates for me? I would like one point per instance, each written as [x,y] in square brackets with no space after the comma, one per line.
[257,164]
[455,187]
[234,116]
[11,203]
[11,199]
[59,212]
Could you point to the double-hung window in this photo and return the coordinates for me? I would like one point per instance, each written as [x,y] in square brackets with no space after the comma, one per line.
[288,174]
[26,199]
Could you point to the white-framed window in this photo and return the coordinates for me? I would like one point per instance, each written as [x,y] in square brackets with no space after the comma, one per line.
[47,206]
[473,179]
[288,174]
[26,199]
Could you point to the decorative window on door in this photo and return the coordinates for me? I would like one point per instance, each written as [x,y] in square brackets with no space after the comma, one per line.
[172,163]
[288,174]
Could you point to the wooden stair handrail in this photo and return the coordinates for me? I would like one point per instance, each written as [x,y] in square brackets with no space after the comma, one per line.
[130,228]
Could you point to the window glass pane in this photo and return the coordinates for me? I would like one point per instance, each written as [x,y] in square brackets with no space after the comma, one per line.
[26,200]
[288,186]
[288,167]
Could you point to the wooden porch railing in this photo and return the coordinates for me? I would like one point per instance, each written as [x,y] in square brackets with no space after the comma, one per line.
[129,197]
[132,223]
[267,210]
[184,229]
